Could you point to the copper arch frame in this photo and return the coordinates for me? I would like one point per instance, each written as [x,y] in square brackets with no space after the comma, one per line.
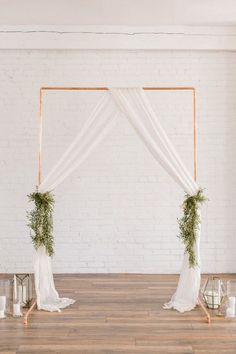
[55,88]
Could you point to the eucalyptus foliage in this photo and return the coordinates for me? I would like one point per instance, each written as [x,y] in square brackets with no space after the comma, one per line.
[41,220]
[189,224]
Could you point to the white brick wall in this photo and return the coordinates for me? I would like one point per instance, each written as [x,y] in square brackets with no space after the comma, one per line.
[118,212]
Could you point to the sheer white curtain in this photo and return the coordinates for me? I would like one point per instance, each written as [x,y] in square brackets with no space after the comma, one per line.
[134,104]
[99,123]
[47,297]
[95,128]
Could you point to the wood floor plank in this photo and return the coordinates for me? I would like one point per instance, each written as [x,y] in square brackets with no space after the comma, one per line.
[118,313]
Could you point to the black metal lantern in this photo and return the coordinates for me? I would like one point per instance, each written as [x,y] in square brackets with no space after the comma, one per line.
[23,289]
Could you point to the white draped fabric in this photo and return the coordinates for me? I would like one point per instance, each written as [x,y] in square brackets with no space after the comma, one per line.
[133,103]
[46,294]
[186,296]
[95,128]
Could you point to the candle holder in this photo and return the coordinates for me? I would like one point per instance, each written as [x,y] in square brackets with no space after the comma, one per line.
[213,293]
[23,289]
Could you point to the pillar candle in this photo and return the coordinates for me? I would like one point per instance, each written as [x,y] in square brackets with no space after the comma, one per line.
[15,291]
[3,302]
[231,306]
[219,292]
[19,293]
[24,294]
[230,312]
[16,310]
[232,301]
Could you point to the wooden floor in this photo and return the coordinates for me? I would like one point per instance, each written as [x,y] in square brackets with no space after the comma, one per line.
[118,314]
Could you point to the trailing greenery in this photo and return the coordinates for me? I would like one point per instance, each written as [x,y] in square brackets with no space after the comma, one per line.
[189,224]
[41,220]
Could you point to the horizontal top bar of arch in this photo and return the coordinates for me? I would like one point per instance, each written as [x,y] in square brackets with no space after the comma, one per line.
[107,88]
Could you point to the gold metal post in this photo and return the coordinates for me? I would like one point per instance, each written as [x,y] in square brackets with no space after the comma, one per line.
[40,136]
[194,136]
[208,316]
[28,313]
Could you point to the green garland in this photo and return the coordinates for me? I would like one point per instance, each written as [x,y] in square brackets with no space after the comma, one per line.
[189,224]
[41,221]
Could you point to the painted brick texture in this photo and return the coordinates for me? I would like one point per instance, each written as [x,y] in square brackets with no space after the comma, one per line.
[118,212]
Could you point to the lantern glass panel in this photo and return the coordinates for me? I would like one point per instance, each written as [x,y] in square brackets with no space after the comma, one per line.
[23,289]
[213,292]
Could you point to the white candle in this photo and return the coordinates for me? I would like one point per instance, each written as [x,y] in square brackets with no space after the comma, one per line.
[3,302]
[15,292]
[19,293]
[219,292]
[232,301]
[230,312]
[24,294]
[16,310]
[2,314]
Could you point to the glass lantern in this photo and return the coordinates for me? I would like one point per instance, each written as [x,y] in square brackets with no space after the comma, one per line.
[213,292]
[5,297]
[23,289]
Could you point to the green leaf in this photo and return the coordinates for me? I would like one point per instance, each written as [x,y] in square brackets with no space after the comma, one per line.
[40,221]
[189,224]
